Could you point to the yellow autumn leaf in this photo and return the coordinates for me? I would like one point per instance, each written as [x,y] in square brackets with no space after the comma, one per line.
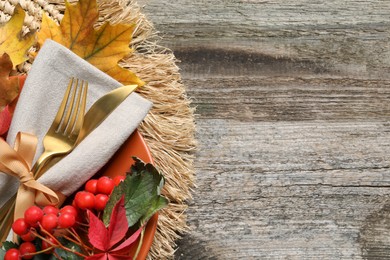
[103,47]
[11,40]
[9,86]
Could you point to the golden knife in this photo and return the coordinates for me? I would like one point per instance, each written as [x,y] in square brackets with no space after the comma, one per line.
[102,108]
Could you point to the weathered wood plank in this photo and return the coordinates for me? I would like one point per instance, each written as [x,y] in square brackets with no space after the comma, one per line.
[349,37]
[293,106]
[290,99]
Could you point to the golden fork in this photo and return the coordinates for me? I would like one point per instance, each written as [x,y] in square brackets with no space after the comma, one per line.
[62,135]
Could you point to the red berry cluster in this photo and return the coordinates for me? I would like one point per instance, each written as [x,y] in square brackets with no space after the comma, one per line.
[96,193]
[43,222]
[39,221]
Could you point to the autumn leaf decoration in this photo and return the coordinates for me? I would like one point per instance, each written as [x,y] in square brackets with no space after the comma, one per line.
[13,51]
[9,90]
[103,47]
[111,241]
[12,41]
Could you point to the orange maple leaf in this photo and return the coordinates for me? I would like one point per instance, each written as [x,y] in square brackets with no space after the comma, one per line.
[103,47]
[12,41]
[9,86]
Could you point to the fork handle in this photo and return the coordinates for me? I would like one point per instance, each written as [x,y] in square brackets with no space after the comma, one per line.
[41,162]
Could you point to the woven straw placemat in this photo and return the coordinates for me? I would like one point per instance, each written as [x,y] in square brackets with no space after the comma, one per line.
[168,129]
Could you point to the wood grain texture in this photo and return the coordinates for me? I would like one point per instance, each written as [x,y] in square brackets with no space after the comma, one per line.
[349,36]
[292,105]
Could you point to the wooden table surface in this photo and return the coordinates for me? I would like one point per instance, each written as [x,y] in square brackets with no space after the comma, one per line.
[293,106]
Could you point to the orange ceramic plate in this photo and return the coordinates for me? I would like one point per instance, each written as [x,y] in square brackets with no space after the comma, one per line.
[119,165]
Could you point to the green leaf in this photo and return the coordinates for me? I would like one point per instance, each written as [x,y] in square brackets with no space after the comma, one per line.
[157,204]
[2,253]
[65,255]
[8,245]
[142,190]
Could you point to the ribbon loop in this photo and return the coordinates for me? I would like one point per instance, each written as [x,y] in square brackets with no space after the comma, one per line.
[17,162]
[26,145]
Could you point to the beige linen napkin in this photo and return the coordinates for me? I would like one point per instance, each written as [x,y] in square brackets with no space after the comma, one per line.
[38,104]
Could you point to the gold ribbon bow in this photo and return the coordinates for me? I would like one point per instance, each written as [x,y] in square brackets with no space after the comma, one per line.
[17,162]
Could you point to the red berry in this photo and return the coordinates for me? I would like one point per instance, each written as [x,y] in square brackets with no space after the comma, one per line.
[48,243]
[119,179]
[69,209]
[49,222]
[51,210]
[27,249]
[12,254]
[85,200]
[20,227]
[33,215]
[101,201]
[29,237]
[105,185]
[91,186]
[74,204]
[66,220]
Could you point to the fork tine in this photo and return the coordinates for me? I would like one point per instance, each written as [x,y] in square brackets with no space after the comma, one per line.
[76,122]
[65,119]
[61,110]
[68,125]
[80,119]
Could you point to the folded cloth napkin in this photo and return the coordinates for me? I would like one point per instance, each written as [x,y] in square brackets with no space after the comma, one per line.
[39,102]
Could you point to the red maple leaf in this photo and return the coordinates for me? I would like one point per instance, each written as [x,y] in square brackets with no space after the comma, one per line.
[5,121]
[106,239]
